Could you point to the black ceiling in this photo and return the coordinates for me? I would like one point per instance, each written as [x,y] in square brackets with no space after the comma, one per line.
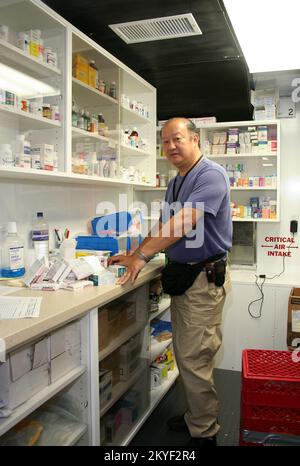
[195,76]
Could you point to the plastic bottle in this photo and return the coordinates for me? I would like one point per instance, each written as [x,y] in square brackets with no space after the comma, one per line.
[102,127]
[22,152]
[134,138]
[94,82]
[6,155]
[12,253]
[40,236]
[113,90]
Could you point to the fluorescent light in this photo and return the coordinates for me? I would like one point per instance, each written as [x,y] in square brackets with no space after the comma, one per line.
[267,165]
[23,85]
[265,158]
[268,32]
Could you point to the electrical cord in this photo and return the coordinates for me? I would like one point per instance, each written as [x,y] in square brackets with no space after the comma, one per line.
[260,287]
[261,299]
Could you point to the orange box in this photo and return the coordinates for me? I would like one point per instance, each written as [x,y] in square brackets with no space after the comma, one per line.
[103,333]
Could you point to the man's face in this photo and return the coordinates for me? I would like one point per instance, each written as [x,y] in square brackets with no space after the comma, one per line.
[179,145]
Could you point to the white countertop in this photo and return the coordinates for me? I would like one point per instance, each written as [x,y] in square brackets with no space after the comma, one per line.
[60,307]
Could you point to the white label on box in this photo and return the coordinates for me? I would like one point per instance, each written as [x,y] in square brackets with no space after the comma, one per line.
[295,321]
[40,355]
[20,362]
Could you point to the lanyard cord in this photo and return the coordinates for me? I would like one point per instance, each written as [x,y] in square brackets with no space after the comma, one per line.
[175,197]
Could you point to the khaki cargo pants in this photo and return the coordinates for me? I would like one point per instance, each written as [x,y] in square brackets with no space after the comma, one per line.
[196,321]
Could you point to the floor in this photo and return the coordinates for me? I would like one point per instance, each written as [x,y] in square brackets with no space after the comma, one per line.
[155,431]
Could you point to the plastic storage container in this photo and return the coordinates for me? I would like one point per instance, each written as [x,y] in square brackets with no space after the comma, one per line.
[12,253]
[40,236]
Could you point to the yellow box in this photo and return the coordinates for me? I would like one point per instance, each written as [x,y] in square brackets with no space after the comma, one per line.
[80,61]
[34,48]
[92,77]
[81,75]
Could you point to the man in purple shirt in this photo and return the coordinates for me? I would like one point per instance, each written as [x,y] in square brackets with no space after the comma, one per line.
[195,230]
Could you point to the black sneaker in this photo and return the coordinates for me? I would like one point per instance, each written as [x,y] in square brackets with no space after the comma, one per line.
[203,441]
[177,424]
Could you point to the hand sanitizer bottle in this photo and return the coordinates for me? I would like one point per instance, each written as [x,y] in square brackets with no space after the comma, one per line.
[13,253]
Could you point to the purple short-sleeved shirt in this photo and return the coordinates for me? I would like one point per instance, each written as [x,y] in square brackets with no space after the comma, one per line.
[207,183]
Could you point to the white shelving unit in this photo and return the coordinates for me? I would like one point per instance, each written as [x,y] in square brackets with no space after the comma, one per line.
[37,400]
[67,41]
[256,166]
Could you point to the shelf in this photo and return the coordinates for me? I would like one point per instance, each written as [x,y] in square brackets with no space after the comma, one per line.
[92,95]
[133,151]
[128,333]
[259,220]
[18,57]
[237,124]
[120,389]
[237,156]
[76,436]
[150,188]
[158,347]
[162,307]
[156,396]
[37,400]
[61,177]
[260,188]
[132,117]
[28,121]
[79,133]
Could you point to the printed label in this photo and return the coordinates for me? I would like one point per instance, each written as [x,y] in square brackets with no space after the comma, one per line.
[295,321]
[16,258]
[40,235]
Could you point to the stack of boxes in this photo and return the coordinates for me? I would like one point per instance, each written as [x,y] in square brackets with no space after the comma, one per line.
[33,367]
[270,398]
[257,139]
[80,68]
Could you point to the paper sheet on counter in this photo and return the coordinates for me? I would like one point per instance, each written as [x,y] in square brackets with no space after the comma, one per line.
[19,308]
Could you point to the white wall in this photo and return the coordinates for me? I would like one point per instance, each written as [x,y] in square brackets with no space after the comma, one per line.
[64,205]
[290,202]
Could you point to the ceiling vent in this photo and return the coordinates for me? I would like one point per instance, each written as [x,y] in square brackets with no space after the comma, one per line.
[168,27]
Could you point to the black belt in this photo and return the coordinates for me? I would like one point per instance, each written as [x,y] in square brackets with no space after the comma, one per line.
[215,258]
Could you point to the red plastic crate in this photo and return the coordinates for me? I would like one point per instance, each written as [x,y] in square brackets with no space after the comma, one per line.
[270,419]
[270,378]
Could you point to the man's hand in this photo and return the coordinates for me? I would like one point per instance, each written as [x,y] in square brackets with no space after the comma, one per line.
[134,265]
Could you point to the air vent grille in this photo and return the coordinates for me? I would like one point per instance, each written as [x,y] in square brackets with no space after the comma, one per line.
[168,27]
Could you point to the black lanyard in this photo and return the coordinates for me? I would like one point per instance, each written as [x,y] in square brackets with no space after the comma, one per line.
[175,197]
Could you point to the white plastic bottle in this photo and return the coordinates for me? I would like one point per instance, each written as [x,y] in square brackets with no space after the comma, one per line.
[12,253]
[40,236]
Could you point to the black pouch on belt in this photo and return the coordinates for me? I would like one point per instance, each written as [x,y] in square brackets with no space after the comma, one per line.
[176,278]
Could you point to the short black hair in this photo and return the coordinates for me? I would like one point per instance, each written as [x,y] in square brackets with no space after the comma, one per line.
[190,125]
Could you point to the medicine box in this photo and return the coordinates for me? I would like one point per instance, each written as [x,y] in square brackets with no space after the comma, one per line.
[42,149]
[24,374]
[105,386]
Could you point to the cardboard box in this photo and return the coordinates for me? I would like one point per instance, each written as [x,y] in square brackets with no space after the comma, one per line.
[103,333]
[293,324]
[112,363]
[64,363]
[12,394]
[105,386]
[20,362]
[57,342]
[81,75]
[80,62]
[39,378]
[92,77]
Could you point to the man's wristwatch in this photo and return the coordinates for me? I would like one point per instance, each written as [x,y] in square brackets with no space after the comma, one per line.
[142,256]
